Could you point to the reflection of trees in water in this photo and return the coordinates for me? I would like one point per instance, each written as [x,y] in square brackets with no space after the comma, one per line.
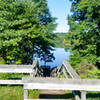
[45,54]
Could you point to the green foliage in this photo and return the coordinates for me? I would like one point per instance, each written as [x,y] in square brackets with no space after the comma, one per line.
[59,39]
[34,94]
[1,60]
[83,38]
[16,93]
[25,28]
[95,73]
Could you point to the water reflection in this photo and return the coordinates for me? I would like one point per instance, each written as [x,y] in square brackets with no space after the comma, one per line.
[60,54]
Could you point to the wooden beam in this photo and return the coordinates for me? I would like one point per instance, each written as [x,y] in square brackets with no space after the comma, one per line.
[19,68]
[25,94]
[64,72]
[70,70]
[11,82]
[73,75]
[16,69]
[83,95]
[61,84]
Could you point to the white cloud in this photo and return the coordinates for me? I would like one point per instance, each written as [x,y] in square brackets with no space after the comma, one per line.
[62,28]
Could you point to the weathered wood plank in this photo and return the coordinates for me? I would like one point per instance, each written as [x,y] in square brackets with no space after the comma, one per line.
[18,68]
[25,94]
[11,82]
[83,95]
[70,70]
[64,72]
[74,75]
[11,65]
[46,99]
[61,84]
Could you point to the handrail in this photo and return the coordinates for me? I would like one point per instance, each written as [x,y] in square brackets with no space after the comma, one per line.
[15,68]
[73,75]
[34,69]
[37,70]
[70,70]
[61,83]
[11,82]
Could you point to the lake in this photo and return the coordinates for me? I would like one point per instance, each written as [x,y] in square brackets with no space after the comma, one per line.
[60,54]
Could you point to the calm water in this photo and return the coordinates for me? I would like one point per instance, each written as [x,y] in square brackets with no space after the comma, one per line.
[60,54]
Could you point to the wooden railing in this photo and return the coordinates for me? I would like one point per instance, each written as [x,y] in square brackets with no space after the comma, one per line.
[73,75]
[33,70]
[35,81]
[64,69]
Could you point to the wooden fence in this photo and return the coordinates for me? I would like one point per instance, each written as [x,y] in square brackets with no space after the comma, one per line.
[36,81]
[64,69]
[33,70]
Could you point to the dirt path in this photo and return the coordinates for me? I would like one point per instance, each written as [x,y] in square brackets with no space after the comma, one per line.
[54,94]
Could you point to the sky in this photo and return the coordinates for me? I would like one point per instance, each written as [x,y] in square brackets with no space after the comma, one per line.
[60,9]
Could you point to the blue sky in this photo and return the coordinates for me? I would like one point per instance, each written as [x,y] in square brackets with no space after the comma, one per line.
[60,9]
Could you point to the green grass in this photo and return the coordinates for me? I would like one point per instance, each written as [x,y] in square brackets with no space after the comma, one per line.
[12,76]
[93,95]
[11,93]
[15,92]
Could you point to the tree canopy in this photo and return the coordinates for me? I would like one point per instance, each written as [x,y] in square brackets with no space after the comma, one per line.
[25,28]
[83,38]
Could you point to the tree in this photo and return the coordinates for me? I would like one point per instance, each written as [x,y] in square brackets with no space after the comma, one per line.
[25,28]
[83,38]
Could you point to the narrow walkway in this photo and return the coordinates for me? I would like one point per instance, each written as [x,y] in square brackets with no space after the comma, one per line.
[54,94]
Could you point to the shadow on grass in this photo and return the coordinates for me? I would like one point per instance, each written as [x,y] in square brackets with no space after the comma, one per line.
[93,95]
[57,96]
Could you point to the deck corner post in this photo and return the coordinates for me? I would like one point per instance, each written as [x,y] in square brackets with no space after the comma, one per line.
[83,95]
[25,94]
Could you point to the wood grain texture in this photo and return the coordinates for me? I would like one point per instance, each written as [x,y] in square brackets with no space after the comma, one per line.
[11,82]
[61,84]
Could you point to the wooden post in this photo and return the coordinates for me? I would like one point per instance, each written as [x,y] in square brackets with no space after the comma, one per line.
[76,95]
[25,94]
[83,95]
